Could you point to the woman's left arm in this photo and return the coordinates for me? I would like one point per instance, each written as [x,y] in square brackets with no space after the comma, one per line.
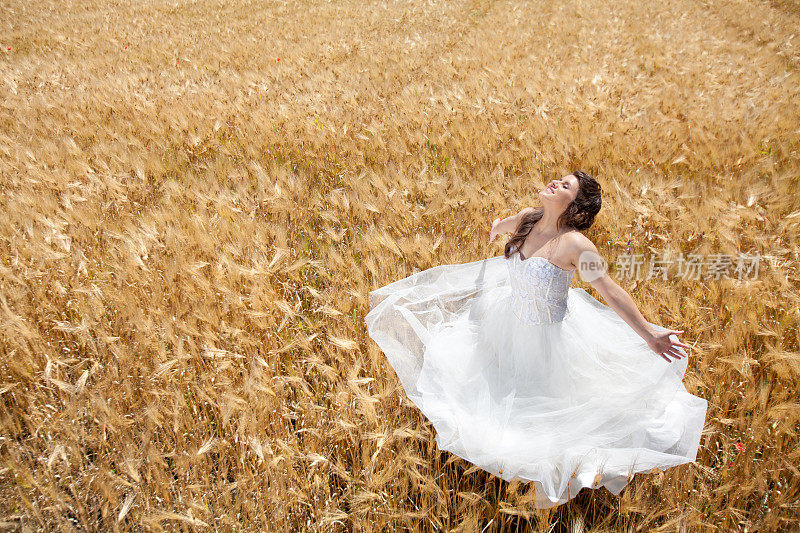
[592,268]
[620,301]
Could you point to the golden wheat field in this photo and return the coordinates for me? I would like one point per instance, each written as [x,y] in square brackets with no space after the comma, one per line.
[197,197]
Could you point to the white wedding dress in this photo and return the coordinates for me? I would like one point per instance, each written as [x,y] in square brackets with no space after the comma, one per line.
[528,378]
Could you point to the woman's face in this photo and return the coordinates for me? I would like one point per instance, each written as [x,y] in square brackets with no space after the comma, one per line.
[560,192]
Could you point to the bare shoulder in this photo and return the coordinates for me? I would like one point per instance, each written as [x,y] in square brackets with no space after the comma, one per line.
[579,242]
[577,245]
[586,259]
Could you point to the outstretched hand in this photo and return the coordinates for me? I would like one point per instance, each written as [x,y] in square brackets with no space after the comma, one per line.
[660,343]
[492,232]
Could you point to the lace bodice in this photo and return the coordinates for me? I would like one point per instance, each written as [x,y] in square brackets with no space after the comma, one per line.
[539,288]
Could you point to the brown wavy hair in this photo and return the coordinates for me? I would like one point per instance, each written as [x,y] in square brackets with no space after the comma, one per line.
[578,215]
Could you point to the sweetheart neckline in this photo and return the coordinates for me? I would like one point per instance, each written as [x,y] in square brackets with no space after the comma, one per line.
[546,259]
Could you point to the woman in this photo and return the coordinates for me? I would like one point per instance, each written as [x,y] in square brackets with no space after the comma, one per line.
[531,379]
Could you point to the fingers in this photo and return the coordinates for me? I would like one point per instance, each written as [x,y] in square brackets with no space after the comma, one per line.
[670,353]
[675,354]
[680,348]
[677,342]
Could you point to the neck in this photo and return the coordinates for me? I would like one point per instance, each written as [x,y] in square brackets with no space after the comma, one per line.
[547,224]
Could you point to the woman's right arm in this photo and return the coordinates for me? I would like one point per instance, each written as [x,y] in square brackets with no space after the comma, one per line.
[507,225]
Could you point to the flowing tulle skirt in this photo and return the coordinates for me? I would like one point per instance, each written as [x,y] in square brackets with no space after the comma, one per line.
[579,403]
